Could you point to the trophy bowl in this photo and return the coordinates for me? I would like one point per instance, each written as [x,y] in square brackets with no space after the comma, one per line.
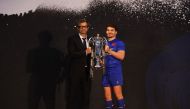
[97,43]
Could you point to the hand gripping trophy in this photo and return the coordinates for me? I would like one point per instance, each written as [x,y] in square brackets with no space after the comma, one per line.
[98,54]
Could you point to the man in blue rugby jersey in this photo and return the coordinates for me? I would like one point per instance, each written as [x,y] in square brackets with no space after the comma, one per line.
[113,77]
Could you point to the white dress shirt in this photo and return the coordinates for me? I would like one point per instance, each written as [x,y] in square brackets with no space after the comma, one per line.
[81,37]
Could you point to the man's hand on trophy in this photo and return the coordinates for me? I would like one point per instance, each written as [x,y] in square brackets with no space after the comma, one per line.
[102,62]
[107,48]
[88,50]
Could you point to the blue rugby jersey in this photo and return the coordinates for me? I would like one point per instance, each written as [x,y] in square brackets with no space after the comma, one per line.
[115,45]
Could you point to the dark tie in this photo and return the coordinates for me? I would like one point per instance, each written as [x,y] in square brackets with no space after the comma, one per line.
[84,42]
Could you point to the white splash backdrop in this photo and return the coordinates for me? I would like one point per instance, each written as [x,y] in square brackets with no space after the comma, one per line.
[20,6]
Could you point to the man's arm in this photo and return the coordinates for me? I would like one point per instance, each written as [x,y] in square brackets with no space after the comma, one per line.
[119,54]
[72,50]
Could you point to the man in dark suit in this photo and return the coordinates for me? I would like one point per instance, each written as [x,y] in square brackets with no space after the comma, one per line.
[79,77]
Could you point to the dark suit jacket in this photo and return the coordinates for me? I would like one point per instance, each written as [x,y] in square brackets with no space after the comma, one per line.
[79,61]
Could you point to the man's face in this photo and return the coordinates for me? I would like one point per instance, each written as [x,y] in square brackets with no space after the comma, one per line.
[83,28]
[111,32]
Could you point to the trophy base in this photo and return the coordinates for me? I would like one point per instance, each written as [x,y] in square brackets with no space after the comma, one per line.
[97,66]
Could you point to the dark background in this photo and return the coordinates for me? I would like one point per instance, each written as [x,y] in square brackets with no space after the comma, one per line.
[152,37]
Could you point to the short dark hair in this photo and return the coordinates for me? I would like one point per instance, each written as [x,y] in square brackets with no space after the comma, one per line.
[82,21]
[112,25]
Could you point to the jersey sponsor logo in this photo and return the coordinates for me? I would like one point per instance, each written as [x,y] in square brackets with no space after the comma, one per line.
[113,44]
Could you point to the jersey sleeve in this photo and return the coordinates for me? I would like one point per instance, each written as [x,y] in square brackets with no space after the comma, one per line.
[121,46]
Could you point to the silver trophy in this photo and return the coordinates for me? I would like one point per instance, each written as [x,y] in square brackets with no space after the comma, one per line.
[98,54]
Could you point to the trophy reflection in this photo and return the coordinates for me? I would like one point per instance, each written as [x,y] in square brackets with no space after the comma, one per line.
[97,43]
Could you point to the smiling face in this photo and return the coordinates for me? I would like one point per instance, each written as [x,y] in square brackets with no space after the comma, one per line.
[111,32]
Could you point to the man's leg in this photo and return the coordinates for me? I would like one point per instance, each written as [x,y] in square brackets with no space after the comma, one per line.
[119,96]
[86,93]
[108,98]
[75,98]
